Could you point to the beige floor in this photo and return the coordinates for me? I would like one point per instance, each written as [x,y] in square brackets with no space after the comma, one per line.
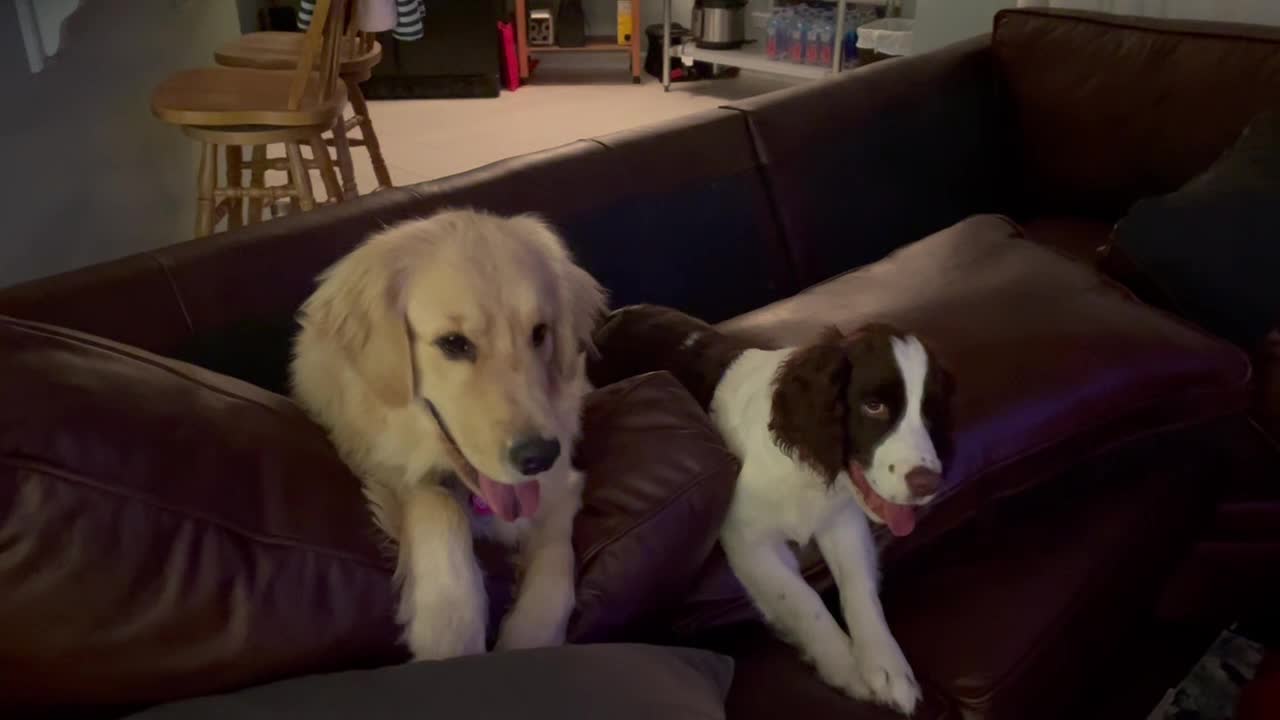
[429,139]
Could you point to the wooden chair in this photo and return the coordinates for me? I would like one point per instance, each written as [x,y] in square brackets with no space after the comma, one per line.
[225,107]
[360,53]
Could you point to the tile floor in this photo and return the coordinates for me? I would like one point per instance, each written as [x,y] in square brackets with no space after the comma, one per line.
[429,139]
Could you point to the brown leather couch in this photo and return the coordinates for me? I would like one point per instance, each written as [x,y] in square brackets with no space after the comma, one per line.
[1109,493]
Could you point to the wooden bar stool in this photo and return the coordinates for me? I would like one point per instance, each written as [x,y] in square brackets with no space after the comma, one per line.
[225,107]
[360,53]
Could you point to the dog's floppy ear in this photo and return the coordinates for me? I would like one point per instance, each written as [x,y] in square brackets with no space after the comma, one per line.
[582,300]
[585,306]
[808,412]
[358,306]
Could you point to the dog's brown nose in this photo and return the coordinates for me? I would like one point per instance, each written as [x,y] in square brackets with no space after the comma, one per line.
[923,482]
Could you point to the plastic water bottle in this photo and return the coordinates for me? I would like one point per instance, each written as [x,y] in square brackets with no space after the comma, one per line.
[771,42]
[812,45]
[852,19]
[826,42]
[779,27]
[796,31]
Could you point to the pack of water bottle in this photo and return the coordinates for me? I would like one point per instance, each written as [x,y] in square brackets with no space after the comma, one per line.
[805,32]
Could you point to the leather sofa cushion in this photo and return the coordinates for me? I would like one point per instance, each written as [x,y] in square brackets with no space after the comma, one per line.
[1052,363]
[1093,95]
[166,531]
[582,682]
[1117,263]
[1011,611]
[649,519]
[869,161]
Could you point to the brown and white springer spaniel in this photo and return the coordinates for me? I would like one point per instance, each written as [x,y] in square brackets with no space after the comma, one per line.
[830,434]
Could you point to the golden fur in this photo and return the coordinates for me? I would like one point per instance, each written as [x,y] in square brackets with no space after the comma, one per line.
[377,315]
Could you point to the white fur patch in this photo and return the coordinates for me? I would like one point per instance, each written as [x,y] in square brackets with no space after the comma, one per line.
[909,445]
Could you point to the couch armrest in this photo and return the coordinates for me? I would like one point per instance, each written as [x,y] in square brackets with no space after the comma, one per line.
[867,162]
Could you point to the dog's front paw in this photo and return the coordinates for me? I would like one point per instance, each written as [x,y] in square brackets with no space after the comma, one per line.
[520,632]
[883,671]
[842,674]
[537,620]
[441,638]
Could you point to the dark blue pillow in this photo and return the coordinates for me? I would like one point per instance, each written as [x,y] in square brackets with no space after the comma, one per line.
[1213,247]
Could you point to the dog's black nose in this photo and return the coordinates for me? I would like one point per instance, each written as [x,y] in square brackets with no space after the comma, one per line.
[923,482]
[533,455]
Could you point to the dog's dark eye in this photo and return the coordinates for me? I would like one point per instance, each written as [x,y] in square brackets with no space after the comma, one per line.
[875,409]
[456,347]
[539,334]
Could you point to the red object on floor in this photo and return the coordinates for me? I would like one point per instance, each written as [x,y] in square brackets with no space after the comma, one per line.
[510,63]
[1260,699]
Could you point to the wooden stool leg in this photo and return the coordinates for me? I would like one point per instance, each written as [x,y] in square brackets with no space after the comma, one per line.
[235,180]
[257,181]
[301,179]
[207,179]
[320,153]
[367,134]
[345,166]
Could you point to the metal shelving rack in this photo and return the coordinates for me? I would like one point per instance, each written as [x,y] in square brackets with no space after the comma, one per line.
[749,59]
[597,44]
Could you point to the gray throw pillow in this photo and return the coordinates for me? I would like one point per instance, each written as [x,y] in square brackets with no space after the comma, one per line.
[617,682]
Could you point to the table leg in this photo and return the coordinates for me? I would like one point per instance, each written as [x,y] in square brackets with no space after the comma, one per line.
[522,39]
[637,32]
[666,45]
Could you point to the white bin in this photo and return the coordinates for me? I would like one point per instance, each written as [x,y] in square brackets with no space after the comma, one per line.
[886,37]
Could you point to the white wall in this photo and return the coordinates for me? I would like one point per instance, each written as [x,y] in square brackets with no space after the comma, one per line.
[89,173]
[1265,12]
[942,22]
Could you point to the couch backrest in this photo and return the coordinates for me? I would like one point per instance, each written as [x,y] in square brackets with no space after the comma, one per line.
[676,214]
[867,162]
[1108,109]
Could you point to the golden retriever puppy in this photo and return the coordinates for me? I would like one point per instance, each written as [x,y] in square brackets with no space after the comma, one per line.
[445,358]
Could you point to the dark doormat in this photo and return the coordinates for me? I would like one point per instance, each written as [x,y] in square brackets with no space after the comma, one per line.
[1210,691]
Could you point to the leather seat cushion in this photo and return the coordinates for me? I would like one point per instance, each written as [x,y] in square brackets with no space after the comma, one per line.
[166,531]
[1052,364]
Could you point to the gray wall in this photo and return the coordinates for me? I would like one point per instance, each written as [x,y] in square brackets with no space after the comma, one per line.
[942,22]
[89,173]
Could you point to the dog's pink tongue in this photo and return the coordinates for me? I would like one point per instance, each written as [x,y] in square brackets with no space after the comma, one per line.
[901,519]
[510,501]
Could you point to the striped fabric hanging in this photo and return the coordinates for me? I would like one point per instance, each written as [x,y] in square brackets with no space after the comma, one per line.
[409,16]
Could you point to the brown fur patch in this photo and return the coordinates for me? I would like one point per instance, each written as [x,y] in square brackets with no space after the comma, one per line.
[808,412]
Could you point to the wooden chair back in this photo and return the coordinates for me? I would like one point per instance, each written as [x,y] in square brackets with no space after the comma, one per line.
[357,41]
[321,51]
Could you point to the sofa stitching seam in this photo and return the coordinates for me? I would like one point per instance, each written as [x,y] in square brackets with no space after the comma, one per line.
[38,466]
[177,295]
[1003,15]
[124,351]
